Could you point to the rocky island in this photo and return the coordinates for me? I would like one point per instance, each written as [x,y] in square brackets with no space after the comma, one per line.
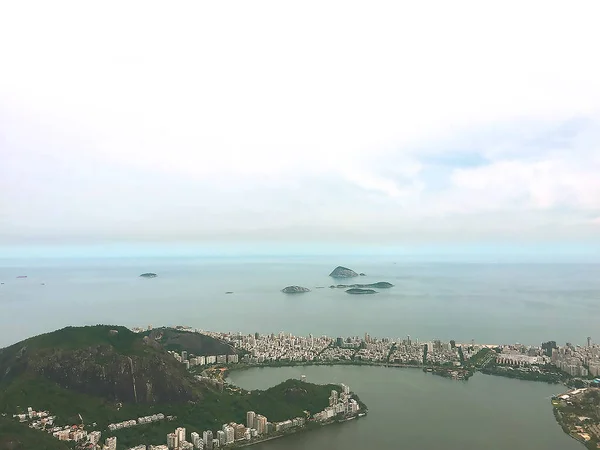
[148,275]
[359,291]
[294,290]
[343,272]
[378,285]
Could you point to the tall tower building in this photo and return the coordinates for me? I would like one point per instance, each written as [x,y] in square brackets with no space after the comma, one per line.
[250,417]
[589,341]
[180,432]
[207,437]
[172,440]
[195,437]
[261,424]
[221,438]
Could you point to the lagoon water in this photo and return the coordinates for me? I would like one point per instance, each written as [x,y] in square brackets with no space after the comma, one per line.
[412,410]
[490,303]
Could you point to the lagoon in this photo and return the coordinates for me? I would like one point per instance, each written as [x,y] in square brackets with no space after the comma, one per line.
[413,410]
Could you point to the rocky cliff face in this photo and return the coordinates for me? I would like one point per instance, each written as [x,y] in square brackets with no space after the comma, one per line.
[115,365]
[100,371]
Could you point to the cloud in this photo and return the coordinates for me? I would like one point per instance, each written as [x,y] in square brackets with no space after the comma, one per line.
[325,119]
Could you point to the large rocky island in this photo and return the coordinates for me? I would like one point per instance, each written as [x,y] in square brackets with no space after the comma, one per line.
[343,272]
[294,290]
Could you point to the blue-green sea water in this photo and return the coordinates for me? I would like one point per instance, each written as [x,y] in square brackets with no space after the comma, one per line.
[490,303]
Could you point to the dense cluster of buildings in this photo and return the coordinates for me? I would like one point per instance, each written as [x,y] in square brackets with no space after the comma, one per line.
[578,360]
[257,426]
[191,360]
[575,360]
[339,404]
[139,421]
[286,347]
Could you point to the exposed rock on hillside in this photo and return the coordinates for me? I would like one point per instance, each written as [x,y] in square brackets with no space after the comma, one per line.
[95,360]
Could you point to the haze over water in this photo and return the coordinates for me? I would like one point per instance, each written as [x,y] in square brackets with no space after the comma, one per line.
[487,302]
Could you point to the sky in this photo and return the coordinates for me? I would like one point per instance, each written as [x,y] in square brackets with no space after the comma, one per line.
[340,122]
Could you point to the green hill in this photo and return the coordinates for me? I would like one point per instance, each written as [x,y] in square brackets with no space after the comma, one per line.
[108,374]
[105,361]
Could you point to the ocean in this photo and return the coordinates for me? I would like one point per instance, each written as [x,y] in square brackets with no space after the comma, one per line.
[486,302]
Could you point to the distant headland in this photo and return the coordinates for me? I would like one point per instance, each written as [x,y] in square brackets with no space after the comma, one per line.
[148,275]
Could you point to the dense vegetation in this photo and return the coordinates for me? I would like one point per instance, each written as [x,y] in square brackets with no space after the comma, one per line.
[17,436]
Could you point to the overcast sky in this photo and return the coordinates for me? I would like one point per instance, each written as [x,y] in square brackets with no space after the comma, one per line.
[300,121]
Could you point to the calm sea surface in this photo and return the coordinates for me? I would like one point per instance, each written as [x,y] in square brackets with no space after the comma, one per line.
[489,303]
[411,410]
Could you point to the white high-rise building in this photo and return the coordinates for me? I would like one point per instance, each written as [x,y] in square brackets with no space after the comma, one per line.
[180,432]
[229,435]
[172,440]
[195,437]
[207,437]
[111,443]
[261,424]
[250,417]
[221,437]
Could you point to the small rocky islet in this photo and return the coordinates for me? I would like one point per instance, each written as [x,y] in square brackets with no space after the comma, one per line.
[148,275]
[343,272]
[294,290]
[378,285]
[359,291]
